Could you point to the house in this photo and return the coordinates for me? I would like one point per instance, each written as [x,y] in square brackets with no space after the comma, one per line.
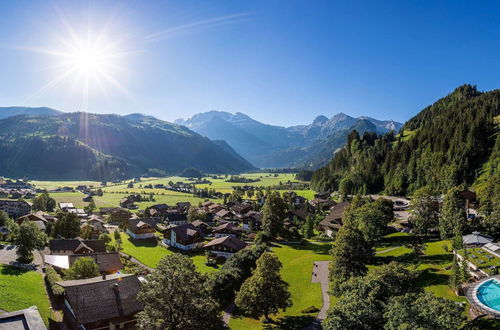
[76,246]
[214,208]
[127,203]
[25,319]
[79,212]
[107,302]
[174,217]
[476,239]
[298,200]
[66,206]
[97,222]
[141,228]
[15,209]
[322,195]
[185,237]
[225,246]
[224,215]
[108,262]
[87,198]
[252,220]
[36,217]
[158,210]
[183,207]
[107,210]
[333,221]
[241,209]
[119,215]
[202,226]
[299,215]
[226,229]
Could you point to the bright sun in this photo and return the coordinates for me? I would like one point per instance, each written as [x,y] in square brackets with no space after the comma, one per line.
[88,61]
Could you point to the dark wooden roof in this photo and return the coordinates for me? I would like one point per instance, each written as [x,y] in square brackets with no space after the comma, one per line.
[227,228]
[334,219]
[227,241]
[96,245]
[97,299]
[186,232]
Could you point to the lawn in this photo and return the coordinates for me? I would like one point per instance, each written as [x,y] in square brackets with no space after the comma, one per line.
[297,263]
[149,252]
[21,289]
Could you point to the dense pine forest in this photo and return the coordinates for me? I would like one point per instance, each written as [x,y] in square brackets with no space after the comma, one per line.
[455,141]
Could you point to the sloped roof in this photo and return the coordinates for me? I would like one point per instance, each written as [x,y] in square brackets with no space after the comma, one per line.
[97,299]
[186,231]
[477,239]
[228,241]
[97,245]
[107,262]
[225,227]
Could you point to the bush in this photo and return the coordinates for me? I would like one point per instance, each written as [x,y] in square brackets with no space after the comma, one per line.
[310,309]
[52,277]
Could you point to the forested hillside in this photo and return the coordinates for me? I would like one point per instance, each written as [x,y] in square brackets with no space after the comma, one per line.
[448,143]
[103,147]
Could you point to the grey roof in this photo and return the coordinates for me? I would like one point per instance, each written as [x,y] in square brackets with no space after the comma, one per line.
[25,319]
[95,299]
[477,239]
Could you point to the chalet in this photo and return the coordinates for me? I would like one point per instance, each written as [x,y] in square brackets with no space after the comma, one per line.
[119,215]
[127,203]
[15,209]
[107,210]
[321,203]
[214,208]
[185,237]
[174,217]
[97,222]
[38,218]
[333,221]
[225,246]
[66,206]
[183,207]
[202,226]
[79,212]
[158,210]
[108,302]
[252,220]
[241,209]
[141,228]
[25,319]
[299,215]
[76,246]
[108,262]
[298,200]
[224,215]
[226,229]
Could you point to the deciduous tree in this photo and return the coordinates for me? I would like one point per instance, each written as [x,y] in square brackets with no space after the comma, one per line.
[265,292]
[29,238]
[82,268]
[175,297]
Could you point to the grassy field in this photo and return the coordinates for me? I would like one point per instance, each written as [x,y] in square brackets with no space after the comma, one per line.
[21,289]
[113,193]
[149,252]
[297,263]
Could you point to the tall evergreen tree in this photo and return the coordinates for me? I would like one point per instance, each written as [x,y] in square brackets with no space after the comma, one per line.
[453,218]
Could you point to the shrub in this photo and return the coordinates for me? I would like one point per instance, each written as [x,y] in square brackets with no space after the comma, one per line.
[52,277]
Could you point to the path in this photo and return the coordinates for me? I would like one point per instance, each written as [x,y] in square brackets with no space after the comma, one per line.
[389,250]
[227,313]
[320,275]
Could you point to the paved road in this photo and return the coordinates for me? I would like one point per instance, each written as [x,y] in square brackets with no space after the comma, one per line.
[320,275]
[8,254]
[227,313]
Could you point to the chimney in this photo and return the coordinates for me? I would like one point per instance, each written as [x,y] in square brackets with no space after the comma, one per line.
[103,276]
[115,287]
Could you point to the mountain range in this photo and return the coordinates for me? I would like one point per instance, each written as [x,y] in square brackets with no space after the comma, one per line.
[303,146]
[49,144]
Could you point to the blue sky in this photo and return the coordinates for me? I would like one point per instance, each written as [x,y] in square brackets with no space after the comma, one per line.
[281,62]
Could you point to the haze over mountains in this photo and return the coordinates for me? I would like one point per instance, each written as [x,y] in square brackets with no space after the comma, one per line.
[264,145]
[103,147]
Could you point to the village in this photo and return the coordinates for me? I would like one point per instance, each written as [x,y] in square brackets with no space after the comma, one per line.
[125,243]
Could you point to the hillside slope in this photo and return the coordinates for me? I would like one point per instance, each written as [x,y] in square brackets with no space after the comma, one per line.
[445,145]
[92,146]
[17,111]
